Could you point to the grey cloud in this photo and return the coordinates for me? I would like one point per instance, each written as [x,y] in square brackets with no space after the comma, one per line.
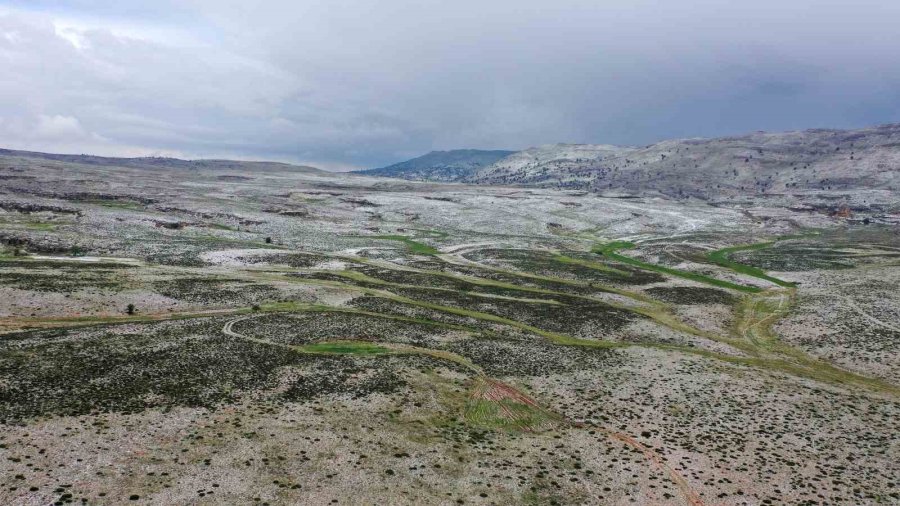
[359,83]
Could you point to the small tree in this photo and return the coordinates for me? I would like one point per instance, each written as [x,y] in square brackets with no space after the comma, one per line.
[130,309]
[268,240]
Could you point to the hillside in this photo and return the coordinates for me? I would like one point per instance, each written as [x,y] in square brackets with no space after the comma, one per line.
[153,162]
[545,163]
[792,164]
[453,165]
[814,168]
[303,337]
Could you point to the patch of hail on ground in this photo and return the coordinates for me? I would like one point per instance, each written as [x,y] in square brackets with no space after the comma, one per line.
[357,251]
[235,257]
[331,265]
[462,248]
[624,353]
[87,259]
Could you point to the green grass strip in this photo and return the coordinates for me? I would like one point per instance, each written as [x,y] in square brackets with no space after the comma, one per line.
[720,257]
[414,246]
[609,251]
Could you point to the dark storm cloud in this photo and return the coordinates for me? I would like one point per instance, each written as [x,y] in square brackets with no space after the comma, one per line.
[362,83]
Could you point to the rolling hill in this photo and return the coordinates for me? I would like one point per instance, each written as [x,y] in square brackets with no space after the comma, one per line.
[818,167]
[445,166]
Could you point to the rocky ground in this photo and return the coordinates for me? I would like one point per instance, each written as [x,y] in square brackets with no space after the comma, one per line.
[190,334]
[841,172]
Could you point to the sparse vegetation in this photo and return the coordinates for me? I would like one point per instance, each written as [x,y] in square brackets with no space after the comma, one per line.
[439,346]
[721,257]
[609,250]
[414,246]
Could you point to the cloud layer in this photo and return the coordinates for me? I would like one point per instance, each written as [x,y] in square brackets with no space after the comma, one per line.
[358,83]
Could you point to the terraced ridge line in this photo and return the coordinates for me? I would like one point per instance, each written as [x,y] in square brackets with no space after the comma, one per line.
[464,262]
[555,337]
[657,310]
[775,355]
[656,313]
[475,280]
[764,351]
[609,251]
[365,278]
[558,338]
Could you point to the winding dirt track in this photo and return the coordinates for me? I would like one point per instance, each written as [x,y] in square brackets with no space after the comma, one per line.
[690,495]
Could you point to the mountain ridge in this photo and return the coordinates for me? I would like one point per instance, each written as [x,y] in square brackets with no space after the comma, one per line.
[793,165]
[444,166]
[154,162]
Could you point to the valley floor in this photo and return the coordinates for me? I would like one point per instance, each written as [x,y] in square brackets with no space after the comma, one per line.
[203,337]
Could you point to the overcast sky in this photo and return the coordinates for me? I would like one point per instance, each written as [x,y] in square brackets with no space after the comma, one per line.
[344,84]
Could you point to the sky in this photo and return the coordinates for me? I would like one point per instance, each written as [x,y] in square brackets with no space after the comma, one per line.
[346,84]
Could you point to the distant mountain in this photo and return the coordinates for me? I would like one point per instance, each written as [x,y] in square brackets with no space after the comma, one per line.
[153,162]
[758,164]
[547,162]
[453,165]
[817,168]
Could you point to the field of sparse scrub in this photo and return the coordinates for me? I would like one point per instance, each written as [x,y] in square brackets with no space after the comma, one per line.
[207,337]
